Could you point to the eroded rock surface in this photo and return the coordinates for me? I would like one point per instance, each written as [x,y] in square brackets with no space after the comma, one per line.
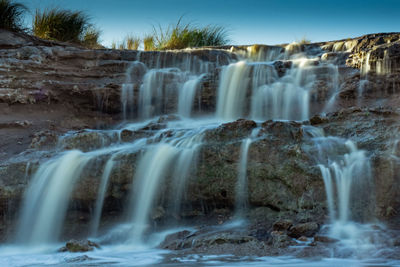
[51,94]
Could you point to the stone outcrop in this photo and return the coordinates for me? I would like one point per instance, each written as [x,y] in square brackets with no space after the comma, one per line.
[50,92]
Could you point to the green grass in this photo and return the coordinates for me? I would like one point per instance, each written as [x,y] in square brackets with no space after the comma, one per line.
[65,26]
[11,15]
[180,36]
[132,42]
[148,43]
[91,38]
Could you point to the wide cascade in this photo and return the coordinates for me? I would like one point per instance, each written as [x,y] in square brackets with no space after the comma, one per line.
[244,109]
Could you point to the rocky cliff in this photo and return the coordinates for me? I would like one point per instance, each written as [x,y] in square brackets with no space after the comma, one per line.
[51,92]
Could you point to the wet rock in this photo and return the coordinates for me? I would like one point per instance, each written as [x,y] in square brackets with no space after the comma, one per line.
[317,119]
[158,213]
[261,234]
[280,239]
[176,241]
[44,140]
[79,246]
[129,136]
[308,229]
[231,131]
[325,239]
[302,238]
[86,140]
[282,225]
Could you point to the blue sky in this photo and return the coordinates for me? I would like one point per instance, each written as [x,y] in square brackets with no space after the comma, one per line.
[248,21]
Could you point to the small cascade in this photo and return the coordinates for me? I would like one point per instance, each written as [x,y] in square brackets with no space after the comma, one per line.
[381,66]
[166,91]
[345,46]
[127,94]
[366,65]
[292,49]
[260,53]
[100,196]
[172,156]
[256,91]
[127,88]
[232,90]
[46,200]
[241,201]
[152,170]
[167,85]
[187,95]
[346,173]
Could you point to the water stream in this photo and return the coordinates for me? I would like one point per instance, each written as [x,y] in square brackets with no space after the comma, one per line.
[252,87]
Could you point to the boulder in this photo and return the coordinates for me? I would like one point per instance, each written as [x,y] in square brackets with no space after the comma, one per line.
[79,246]
[308,229]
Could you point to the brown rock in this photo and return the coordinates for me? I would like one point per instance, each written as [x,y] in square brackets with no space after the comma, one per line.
[282,225]
[325,239]
[308,229]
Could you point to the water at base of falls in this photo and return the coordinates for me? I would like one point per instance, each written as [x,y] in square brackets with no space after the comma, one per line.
[118,256]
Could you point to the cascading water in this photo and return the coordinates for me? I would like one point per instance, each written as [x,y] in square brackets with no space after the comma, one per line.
[256,90]
[346,173]
[46,200]
[275,83]
[241,200]
[100,198]
[177,153]
[187,95]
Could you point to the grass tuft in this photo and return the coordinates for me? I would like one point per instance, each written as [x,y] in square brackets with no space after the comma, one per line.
[65,26]
[180,36]
[91,38]
[11,15]
[132,42]
[148,43]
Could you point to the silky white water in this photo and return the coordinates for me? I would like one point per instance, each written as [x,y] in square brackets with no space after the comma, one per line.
[241,198]
[46,199]
[255,90]
[346,171]
[187,95]
[174,153]
[251,87]
[101,195]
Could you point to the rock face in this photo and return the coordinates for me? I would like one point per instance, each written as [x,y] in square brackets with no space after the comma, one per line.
[50,92]
[79,246]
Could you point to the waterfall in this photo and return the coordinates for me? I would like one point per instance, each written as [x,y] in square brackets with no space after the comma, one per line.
[186,96]
[256,91]
[346,173]
[241,200]
[157,163]
[46,199]
[127,89]
[232,90]
[381,66]
[241,185]
[100,196]
[151,172]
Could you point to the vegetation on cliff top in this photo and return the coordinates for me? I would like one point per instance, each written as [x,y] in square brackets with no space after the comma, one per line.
[180,36]
[11,15]
[177,36]
[66,26]
[75,27]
